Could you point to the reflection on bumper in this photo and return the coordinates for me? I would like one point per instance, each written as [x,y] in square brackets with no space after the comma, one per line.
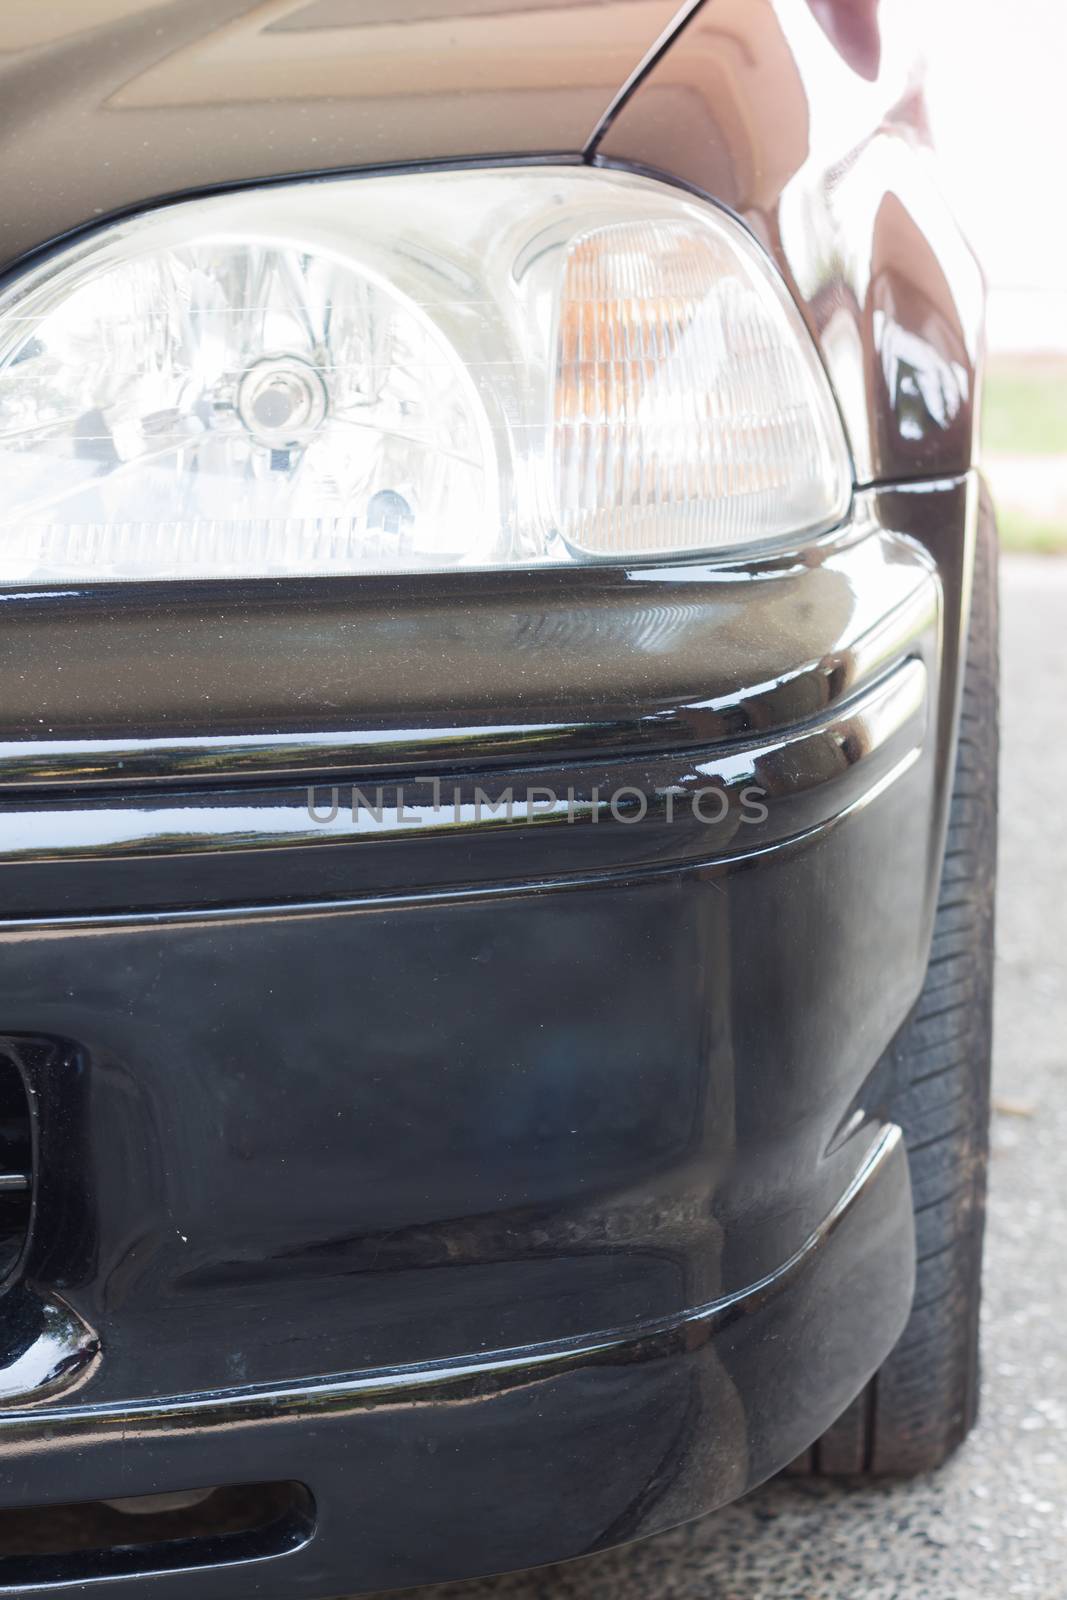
[364,1097]
[507,1459]
[666,809]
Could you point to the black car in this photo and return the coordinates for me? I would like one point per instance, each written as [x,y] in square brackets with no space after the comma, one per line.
[497,781]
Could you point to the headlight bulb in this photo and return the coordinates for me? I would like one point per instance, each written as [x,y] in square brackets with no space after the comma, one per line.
[282,401]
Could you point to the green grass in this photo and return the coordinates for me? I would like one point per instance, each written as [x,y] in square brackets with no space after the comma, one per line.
[1024,413]
[1020,532]
[1025,406]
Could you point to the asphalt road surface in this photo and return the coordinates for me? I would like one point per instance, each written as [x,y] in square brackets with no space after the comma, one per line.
[993,1522]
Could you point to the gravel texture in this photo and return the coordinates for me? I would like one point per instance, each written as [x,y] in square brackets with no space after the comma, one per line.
[993,1522]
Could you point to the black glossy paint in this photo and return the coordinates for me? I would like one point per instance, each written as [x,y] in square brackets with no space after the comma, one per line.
[513,1457]
[801,664]
[110,105]
[121,684]
[46,1347]
[519,1187]
[526,1100]
[809,122]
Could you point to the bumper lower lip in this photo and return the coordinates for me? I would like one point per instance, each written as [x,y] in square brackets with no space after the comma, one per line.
[709,1404]
[367,1102]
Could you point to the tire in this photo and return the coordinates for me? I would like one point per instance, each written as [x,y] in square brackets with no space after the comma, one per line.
[923,1401]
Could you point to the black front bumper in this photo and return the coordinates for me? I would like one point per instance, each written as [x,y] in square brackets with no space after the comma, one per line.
[518,1186]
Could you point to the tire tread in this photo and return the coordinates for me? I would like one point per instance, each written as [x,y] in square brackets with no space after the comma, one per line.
[923,1401]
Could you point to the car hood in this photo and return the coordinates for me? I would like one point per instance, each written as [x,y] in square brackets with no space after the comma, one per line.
[111,104]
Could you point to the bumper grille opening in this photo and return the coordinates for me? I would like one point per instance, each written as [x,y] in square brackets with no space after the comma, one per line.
[150,1533]
[16,1164]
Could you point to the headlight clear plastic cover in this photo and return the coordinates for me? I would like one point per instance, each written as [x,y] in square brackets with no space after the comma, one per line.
[455,369]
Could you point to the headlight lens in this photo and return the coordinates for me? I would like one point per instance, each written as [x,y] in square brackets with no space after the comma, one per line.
[462,369]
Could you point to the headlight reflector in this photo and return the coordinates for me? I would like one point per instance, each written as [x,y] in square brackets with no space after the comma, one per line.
[462,369]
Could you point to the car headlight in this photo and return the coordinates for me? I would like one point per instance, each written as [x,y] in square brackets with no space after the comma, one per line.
[426,371]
